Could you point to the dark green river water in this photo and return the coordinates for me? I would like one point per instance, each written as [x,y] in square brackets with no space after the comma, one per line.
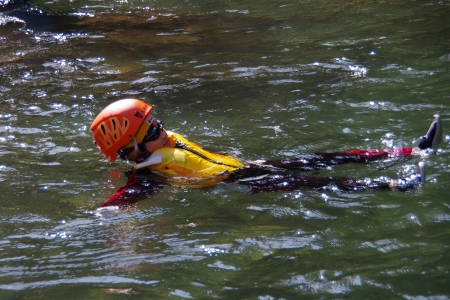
[265,79]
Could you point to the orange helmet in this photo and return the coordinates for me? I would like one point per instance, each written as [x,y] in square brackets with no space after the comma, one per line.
[117,124]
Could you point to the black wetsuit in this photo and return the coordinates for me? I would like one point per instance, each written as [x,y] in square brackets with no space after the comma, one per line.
[280,175]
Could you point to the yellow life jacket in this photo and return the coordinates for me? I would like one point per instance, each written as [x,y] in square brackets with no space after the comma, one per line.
[186,163]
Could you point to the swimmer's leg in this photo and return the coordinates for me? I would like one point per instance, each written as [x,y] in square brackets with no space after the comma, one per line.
[271,180]
[318,161]
[293,182]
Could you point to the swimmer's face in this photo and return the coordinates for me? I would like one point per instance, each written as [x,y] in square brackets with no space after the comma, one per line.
[160,142]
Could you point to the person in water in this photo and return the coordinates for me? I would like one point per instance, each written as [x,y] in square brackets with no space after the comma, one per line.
[127,128]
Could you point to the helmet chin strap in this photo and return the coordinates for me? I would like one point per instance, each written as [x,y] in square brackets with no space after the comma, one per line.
[136,148]
[141,155]
[140,151]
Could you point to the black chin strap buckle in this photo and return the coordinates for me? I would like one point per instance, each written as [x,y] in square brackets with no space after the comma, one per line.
[141,156]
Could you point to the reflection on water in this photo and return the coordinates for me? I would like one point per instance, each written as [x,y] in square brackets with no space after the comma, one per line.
[262,80]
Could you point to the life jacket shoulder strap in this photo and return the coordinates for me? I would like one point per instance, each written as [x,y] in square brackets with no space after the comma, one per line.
[183,146]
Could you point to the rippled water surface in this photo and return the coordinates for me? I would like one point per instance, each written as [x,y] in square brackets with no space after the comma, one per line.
[262,80]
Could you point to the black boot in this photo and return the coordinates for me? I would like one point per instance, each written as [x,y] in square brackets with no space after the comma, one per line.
[414,180]
[433,136]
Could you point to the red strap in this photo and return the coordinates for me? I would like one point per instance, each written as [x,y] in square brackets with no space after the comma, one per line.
[402,151]
[368,153]
[375,153]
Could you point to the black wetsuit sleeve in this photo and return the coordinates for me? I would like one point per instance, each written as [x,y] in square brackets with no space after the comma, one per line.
[139,186]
